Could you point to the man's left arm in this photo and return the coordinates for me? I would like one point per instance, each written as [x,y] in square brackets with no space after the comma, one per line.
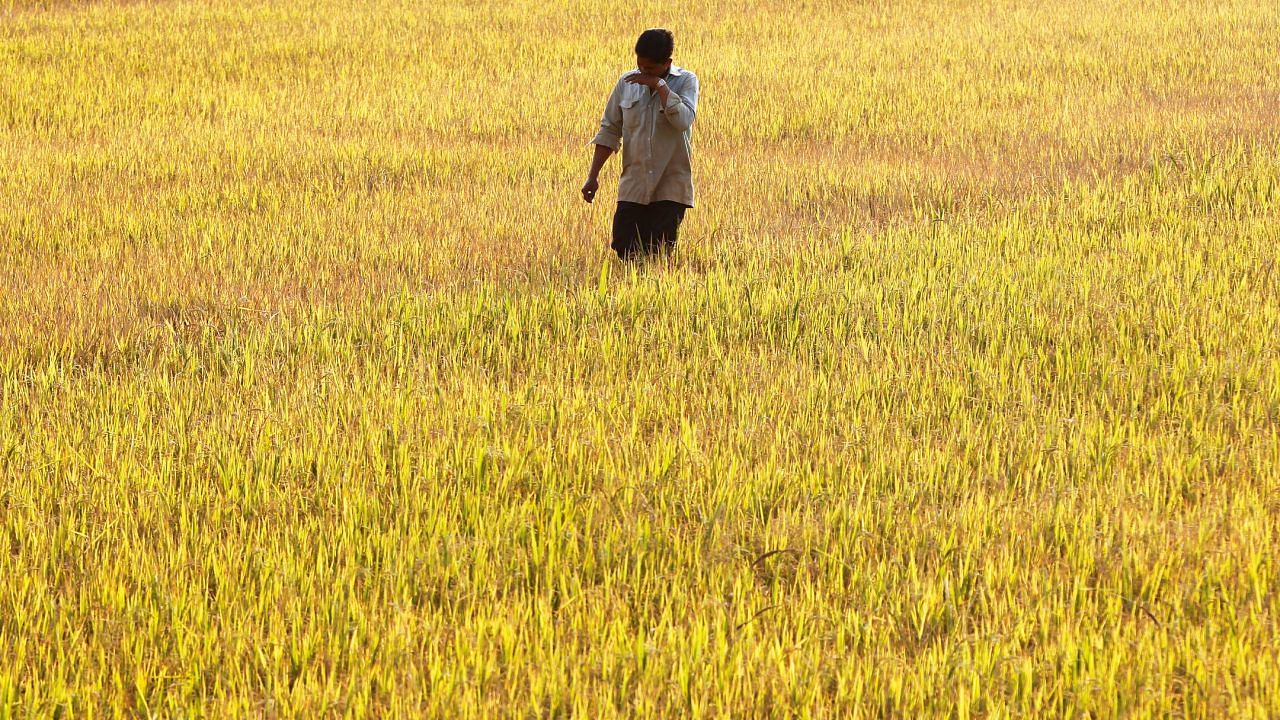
[679,109]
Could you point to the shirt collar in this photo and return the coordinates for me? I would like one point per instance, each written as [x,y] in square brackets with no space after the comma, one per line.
[675,71]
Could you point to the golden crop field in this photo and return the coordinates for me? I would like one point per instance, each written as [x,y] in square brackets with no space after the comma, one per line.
[322,394]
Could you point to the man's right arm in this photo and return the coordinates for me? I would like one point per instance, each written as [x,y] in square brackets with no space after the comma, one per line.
[606,142]
[597,161]
[593,175]
[610,134]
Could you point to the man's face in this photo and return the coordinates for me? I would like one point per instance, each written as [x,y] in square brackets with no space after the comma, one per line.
[651,67]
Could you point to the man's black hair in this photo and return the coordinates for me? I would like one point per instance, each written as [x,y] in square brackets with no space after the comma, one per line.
[656,44]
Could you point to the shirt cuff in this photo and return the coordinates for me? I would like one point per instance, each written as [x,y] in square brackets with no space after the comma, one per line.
[673,101]
[607,139]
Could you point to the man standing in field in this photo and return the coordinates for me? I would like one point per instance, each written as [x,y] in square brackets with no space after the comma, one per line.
[650,112]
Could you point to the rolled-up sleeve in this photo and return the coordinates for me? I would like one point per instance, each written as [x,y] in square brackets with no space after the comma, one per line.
[610,134]
[681,108]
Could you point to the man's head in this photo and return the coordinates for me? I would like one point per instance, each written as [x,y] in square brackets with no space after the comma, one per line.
[653,51]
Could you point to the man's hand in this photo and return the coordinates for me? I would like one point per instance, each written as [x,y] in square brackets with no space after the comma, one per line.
[590,188]
[648,81]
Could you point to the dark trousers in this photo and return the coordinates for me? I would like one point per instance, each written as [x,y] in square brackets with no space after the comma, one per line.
[643,230]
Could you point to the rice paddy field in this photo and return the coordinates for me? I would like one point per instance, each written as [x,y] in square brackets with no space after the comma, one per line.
[322,394]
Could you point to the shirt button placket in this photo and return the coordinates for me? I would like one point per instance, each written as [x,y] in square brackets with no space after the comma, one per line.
[649,118]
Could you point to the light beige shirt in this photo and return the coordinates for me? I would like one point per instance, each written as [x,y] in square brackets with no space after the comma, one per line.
[654,137]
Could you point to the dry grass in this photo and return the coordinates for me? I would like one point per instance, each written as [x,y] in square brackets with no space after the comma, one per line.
[320,393]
